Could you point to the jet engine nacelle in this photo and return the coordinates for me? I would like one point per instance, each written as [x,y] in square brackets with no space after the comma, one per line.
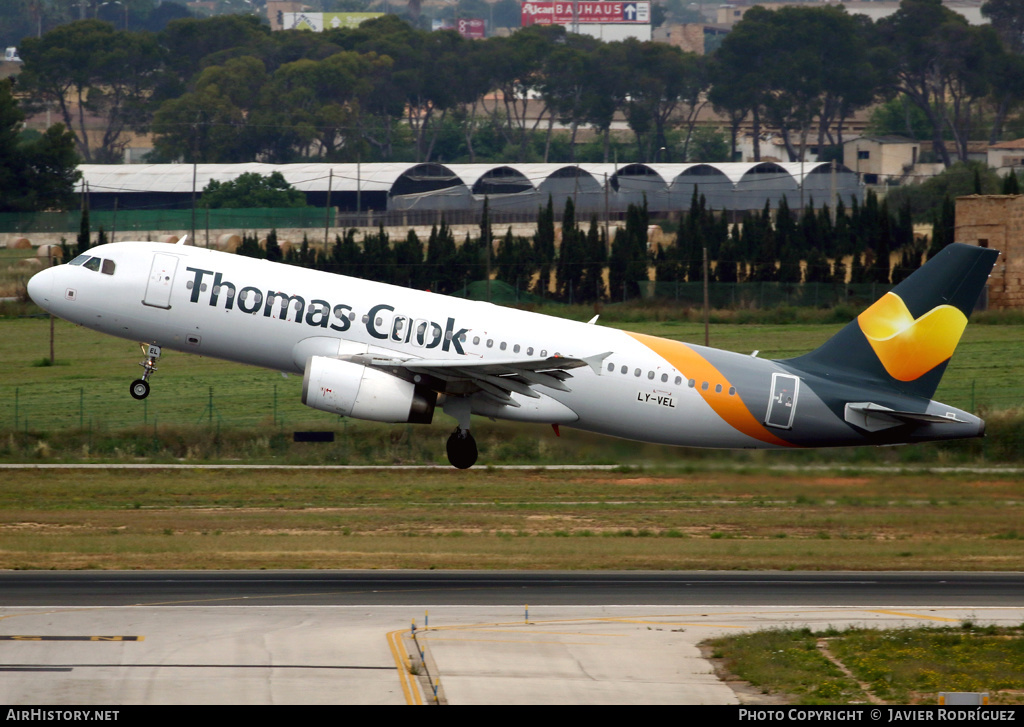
[354,390]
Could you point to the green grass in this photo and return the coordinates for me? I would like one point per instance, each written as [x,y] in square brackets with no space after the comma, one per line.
[896,666]
[662,520]
[87,389]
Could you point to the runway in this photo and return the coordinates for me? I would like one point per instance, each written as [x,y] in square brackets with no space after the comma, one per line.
[490,588]
[301,637]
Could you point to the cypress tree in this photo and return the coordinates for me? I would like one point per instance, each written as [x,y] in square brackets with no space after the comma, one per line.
[273,252]
[569,272]
[544,247]
[1011,185]
[84,231]
[595,255]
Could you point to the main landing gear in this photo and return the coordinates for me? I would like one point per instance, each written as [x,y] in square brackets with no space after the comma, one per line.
[462,450]
[140,387]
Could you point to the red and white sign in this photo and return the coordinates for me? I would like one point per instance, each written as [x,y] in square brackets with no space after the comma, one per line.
[546,12]
[472,27]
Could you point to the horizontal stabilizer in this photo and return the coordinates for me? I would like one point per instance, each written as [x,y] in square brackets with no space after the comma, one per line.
[875,417]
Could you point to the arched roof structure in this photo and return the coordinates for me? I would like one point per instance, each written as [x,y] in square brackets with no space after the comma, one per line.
[508,187]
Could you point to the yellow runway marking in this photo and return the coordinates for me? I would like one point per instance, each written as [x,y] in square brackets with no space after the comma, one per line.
[410,686]
[522,641]
[917,615]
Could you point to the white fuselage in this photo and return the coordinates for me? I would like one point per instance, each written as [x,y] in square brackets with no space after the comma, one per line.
[276,316]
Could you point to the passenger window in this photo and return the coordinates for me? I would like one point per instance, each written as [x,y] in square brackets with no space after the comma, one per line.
[650,375]
[718,388]
[108,268]
[92,263]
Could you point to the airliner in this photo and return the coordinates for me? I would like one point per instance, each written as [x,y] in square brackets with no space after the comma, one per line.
[384,353]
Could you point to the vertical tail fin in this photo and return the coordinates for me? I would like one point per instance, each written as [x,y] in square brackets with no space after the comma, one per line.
[906,338]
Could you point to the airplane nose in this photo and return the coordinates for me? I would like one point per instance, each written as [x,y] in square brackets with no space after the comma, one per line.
[40,288]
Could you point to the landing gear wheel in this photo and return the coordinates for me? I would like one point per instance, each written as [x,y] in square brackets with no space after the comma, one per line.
[462,452]
[139,389]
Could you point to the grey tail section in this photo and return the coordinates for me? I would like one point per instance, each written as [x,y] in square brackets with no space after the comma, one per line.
[955,277]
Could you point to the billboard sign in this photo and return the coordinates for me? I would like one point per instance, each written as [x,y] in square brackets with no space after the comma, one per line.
[548,12]
[471,27]
[318,22]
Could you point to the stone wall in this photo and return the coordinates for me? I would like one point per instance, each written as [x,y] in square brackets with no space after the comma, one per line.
[997,222]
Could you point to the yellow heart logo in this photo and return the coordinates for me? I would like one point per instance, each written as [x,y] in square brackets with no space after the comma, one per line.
[907,347]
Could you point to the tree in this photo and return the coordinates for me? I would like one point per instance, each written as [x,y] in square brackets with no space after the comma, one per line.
[34,175]
[214,123]
[595,255]
[740,75]
[1007,18]
[940,63]
[409,270]
[86,69]
[440,263]
[571,256]
[252,190]
[544,247]
[629,257]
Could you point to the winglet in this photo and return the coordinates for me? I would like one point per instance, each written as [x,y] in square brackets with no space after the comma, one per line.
[182,240]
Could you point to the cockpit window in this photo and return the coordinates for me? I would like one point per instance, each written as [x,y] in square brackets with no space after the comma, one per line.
[108,267]
[80,259]
[92,263]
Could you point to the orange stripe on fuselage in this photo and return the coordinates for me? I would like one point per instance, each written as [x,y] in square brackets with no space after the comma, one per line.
[692,365]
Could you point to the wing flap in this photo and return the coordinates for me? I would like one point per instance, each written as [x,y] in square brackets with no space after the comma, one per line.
[498,378]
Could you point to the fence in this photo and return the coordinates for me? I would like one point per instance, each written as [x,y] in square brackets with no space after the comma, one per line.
[106,405]
[734,296]
[123,222]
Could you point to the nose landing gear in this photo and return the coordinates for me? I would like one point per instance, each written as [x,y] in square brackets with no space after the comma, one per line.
[140,387]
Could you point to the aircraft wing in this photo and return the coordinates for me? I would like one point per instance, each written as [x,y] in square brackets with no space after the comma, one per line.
[498,378]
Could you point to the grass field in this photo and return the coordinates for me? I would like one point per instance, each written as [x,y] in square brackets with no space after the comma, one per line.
[319,518]
[88,386]
[891,666]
